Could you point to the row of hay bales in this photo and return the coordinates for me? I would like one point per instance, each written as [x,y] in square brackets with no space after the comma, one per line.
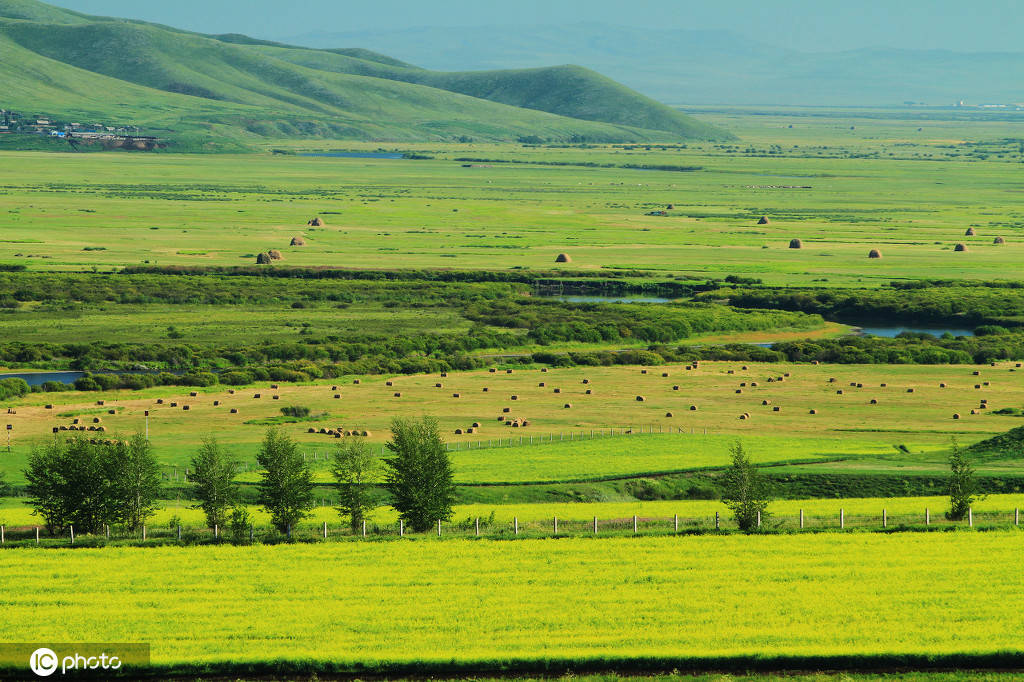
[339,432]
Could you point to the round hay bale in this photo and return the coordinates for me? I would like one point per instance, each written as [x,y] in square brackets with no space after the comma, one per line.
[831,380]
[541,384]
[956,415]
[492,370]
[508,371]
[567,406]
[664,374]
[311,430]
[334,388]
[506,410]
[643,371]
[316,222]
[256,396]
[813,412]
[264,259]
[731,371]
[977,385]
[753,383]
[693,408]
[589,391]
[444,375]
[874,402]
[501,418]
[216,403]
[438,385]
[970,232]
[874,253]
[670,207]
[111,411]
[839,392]
[976,373]
[766,402]
[389,383]
[476,425]
[194,394]
[355,382]
[974,412]
[640,399]
[960,247]
[298,241]
[173,404]
[49,407]
[743,416]
[739,390]
[458,432]
[910,390]
[883,385]
[796,244]
[558,390]
[485,390]
[998,240]
[743,384]
[234,410]
[274,386]
[456,395]
[669,414]
[99,402]
[365,434]
[231,391]
[337,396]
[776,409]
[744,368]
[763,220]
[514,397]
[470,430]
[186,408]
[96,420]
[526,422]
[675,388]
[515,425]
[398,395]
[563,258]
[544,369]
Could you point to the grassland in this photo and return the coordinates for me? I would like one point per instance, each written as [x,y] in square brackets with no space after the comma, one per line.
[662,600]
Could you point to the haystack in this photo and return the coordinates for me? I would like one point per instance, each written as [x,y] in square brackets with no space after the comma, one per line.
[763,220]
[998,240]
[263,259]
[796,244]
[298,241]
[960,247]
[874,253]
[563,258]
[969,232]
[316,222]
[274,254]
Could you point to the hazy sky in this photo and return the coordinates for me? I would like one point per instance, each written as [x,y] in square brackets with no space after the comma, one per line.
[963,25]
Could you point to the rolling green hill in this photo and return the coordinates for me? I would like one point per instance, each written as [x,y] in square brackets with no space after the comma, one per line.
[188,86]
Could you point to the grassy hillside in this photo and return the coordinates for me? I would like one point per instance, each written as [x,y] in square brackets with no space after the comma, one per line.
[253,87]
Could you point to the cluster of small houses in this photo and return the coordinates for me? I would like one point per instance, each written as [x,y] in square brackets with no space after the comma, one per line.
[14,122]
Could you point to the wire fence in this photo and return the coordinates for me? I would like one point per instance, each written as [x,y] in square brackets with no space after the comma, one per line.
[883,521]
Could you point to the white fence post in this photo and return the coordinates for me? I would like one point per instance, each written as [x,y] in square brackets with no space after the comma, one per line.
[478,526]
[717,521]
[885,518]
[634,524]
[439,528]
[927,516]
[595,525]
[801,519]
[970,517]
[364,528]
[556,525]
[325,530]
[72,534]
[515,524]
[401,528]
[676,524]
[1016,516]
[842,518]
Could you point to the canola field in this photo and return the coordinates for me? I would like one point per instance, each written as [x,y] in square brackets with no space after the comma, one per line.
[490,603]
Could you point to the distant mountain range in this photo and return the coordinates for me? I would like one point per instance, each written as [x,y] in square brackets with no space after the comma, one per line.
[703,67]
[197,87]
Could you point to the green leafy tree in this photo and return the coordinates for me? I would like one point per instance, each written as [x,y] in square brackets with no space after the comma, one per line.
[286,482]
[419,475]
[213,472]
[744,491]
[355,467]
[69,484]
[241,523]
[134,481]
[962,486]
[4,488]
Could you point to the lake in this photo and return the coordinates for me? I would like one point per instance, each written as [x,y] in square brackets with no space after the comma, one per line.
[40,378]
[608,299]
[891,332]
[358,155]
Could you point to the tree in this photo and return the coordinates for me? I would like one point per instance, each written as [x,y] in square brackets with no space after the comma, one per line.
[745,492]
[355,467]
[962,487]
[135,481]
[4,488]
[286,483]
[419,476]
[213,472]
[69,484]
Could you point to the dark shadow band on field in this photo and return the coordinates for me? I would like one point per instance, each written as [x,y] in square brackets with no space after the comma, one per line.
[1003,661]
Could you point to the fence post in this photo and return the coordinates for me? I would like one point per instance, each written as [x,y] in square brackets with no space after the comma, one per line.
[143,532]
[216,531]
[325,530]
[401,528]
[364,528]
[885,518]
[842,518]
[676,528]
[801,519]
[2,539]
[595,525]
[718,524]
[634,524]
[758,518]
[179,533]
[289,531]
[72,534]
[927,517]
[515,524]
[970,517]
[37,535]
[439,528]
[556,525]
[106,530]
[1016,516]
[478,526]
